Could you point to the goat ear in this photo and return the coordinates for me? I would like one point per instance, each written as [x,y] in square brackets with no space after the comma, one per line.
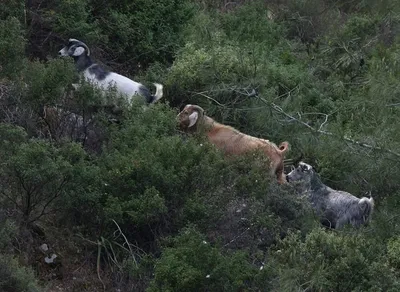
[193,118]
[78,51]
[305,167]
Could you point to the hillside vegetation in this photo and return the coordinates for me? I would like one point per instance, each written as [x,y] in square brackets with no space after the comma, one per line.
[133,204]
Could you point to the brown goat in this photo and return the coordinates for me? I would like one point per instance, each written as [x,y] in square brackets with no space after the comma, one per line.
[230,140]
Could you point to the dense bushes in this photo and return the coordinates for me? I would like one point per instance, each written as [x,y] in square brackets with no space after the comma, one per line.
[12,46]
[133,203]
[191,263]
[329,95]
[13,276]
[35,174]
[328,261]
[149,177]
[133,35]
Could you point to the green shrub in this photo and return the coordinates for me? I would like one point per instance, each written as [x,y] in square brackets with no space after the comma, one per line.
[329,261]
[37,175]
[152,165]
[12,47]
[8,229]
[145,31]
[14,8]
[191,263]
[308,20]
[150,176]
[14,278]
[251,23]
[12,136]
[73,19]
[48,82]
[325,75]
[393,250]
[345,48]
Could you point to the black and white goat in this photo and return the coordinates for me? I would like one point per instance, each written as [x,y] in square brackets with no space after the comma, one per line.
[335,208]
[102,78]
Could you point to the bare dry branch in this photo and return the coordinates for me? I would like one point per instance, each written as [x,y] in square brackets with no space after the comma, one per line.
[393,104]
[98,264]
[12,200]
[210,98]
[320,131]
[127,242]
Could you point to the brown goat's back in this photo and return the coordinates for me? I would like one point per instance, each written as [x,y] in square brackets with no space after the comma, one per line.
[233,142]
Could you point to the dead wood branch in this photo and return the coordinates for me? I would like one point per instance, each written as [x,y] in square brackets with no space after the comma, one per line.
[279,110]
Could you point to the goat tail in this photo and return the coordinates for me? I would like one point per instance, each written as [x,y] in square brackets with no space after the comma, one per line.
[283,147]
[367,205]
[159,92]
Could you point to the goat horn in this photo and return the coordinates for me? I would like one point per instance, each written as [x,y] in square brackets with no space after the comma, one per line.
[198,108]
[82,44]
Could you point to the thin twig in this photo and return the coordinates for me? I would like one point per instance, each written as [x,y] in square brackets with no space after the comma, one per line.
[12,200]
[127,242]
[362,144]
[55,196]
[393,104]
[236,237]
[206,96]
[98,264]
[326,120]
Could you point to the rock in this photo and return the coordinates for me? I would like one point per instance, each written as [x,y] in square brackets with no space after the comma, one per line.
[50,260]
[44,247]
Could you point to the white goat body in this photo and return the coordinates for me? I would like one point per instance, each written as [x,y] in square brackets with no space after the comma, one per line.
[123,85]
[103,79]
